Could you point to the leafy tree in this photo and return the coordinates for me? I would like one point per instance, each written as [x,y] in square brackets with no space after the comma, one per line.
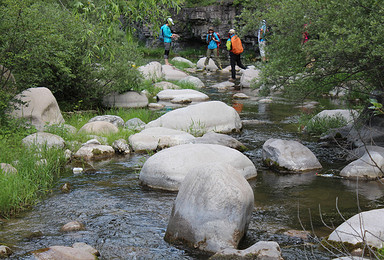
[78,49]
[345,47]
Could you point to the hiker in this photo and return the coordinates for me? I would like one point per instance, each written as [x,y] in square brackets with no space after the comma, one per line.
[235,48]
[261,39]
[168,36]
[213,41]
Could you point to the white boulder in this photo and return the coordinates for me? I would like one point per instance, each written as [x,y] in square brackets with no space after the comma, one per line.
[222,139]
[171,73]
[369,167]
[194,81]
[155,138]
[44,139]
[76,252]
[99,127]
[366,227]
[289,155]
[213,208]
[223,85]
[152,71]
[201,118]
[211,64]
[249,76]
[261,250]
[191,94]
[94,151]
[39,108]
[116,120]
[168,168]
[135,124]
[130,99]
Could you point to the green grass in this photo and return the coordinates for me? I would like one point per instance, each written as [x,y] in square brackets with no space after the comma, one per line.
[33,179]
[321,125]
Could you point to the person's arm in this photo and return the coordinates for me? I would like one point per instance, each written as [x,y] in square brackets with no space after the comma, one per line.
[167,32]
[216,38]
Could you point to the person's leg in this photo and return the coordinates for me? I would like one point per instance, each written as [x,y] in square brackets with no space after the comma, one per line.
[167,47]
[217,58]
[262,50]
[238,62]
[232,58]
[209,52]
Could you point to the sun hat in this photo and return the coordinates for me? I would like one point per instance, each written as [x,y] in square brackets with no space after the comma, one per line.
[170,21]
[210,29]
[232,31]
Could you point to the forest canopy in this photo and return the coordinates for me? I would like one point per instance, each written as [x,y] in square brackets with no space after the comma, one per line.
[345,47]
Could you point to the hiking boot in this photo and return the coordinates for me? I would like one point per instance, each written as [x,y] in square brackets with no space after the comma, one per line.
[232,80]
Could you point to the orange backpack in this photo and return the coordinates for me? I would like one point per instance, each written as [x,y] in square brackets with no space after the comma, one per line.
[237,47]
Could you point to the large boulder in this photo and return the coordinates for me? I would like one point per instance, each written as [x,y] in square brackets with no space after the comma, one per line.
[171,73]
[152,71]
[130,99]
[155,138]
[369,167]
[268,250]
[201,118]
[366,227]
[39,107]
[44,139]
[190,94]
[99,127]
[212,209]
[135,124]
[168,168]
[249,76]
[194,81]
[289,156]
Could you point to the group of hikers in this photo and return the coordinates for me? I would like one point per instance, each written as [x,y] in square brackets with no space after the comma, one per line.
[233,45]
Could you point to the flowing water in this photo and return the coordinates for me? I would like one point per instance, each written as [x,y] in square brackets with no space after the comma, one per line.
[125,220]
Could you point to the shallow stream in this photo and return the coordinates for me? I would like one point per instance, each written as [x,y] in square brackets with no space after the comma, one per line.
[127,221]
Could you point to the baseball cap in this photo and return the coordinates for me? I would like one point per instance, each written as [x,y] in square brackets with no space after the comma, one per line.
[170,21]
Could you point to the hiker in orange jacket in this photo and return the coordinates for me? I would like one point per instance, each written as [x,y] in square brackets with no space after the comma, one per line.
[235,48]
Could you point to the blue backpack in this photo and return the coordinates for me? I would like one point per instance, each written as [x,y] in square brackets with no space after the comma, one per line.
[161,36]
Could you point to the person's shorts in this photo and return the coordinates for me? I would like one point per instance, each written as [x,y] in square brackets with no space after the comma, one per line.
[167,46]
[262,48]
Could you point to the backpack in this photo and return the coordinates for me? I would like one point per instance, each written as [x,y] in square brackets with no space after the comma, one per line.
[237,47]
[161,36]
[218,36]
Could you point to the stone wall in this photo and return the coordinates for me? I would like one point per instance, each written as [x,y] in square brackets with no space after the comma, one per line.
[192,24]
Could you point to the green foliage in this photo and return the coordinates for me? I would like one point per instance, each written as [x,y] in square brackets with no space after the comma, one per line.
[181,65]
[321,125]
[345,44]
[376,107]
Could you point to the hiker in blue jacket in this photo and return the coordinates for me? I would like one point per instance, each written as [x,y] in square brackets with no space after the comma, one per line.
[213,41]
[168,36]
